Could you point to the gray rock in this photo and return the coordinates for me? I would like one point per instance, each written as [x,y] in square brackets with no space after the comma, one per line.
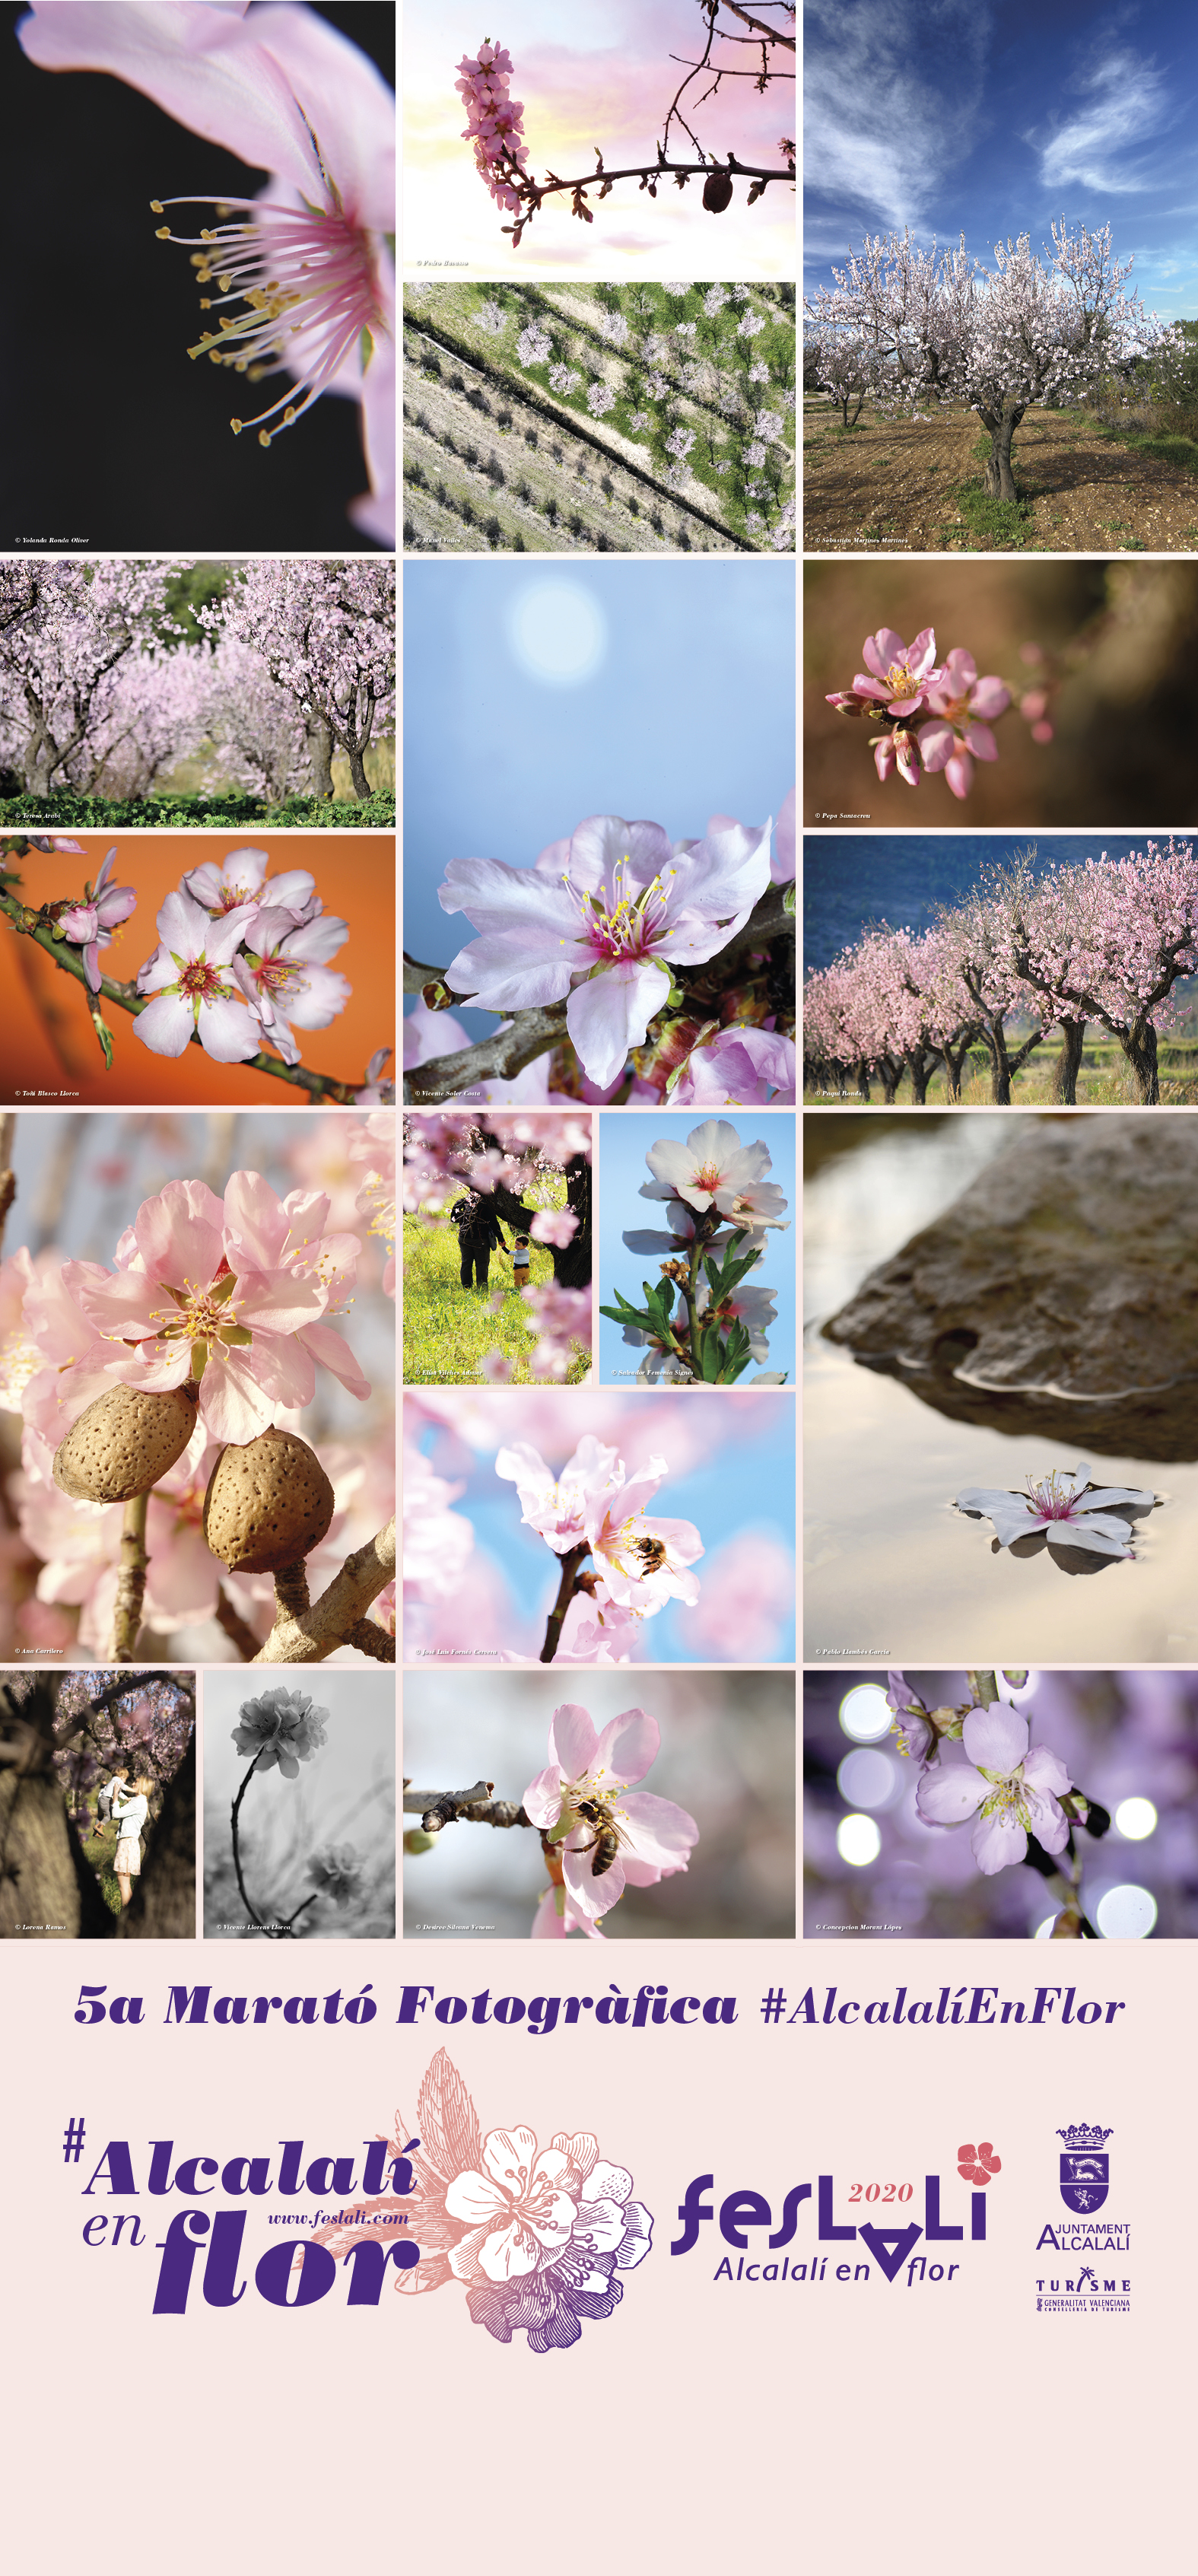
[1059,1297]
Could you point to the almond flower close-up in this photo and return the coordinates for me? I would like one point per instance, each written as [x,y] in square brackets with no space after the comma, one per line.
[1064,1507]
[302,277]
[607,1834]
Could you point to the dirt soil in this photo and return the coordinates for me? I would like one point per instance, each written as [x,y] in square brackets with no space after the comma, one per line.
[886,488]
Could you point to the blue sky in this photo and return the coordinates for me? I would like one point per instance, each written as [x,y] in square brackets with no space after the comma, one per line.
[684,706]
[625,1140]
[996,120]
[850,879]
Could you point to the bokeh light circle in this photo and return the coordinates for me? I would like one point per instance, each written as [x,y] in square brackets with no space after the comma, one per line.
[1135,1819]
[1126,1913]
[867,1779]
[558,632]
[858,1840]
[866,1714]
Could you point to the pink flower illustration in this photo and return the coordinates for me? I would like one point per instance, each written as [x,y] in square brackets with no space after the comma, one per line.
[600,919]
[519,2212]
[959,700]
[90,926]
[609,1834]
[1012,1791]
[192,978]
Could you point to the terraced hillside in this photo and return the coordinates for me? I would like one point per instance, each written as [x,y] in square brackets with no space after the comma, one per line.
[599,419]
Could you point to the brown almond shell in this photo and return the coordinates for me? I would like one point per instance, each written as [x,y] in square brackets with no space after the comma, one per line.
[123,1443]
[267,1505]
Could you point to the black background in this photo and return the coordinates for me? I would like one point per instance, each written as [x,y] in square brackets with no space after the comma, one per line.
[111,437]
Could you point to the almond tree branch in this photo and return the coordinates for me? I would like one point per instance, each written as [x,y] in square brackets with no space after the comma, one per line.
[307,1636]
[32,925]
[473,1806]
[131,1580]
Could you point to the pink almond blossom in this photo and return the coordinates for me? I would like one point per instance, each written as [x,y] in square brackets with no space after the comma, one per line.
[193,980]
[1013,1791]
[624,904]
[586,1770]
[596,1504]
[231,1294]
[90,926]
[285,976]
[959,700]
[241,879]
[738,1068]
[901,675]
[713,1169]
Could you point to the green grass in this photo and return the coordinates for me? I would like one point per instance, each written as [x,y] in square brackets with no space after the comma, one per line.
[1106,1080]
[98,1848]
[1175,450]
[224,811]
[448,1329]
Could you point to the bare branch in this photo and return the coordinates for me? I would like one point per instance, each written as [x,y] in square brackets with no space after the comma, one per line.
[474,1806]
[131,1581]
[307,1635]
[501,1057]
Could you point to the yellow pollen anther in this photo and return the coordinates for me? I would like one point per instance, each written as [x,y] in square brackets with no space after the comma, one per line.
[205,304]
[156,206]
[236,427]
[162,232]
[289,414]
[224,284]
[205,234]
[264,438]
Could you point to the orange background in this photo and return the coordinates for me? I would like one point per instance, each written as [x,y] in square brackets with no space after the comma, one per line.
[47,1042]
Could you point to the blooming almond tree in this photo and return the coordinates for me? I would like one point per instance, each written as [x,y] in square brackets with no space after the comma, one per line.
[927,327]
[325,632]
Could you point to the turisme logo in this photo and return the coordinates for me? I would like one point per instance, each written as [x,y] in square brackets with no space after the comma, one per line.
[1085,2170]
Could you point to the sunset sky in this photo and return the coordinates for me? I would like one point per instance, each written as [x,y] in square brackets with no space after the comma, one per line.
[608,84]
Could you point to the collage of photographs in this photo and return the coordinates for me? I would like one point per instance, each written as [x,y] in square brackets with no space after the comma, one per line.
[198,760]
[1000,979]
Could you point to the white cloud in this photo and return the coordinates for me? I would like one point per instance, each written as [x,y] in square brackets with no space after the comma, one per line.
[887,117]
[1127,100]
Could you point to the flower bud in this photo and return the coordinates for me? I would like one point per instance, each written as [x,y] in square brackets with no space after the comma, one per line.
[123,1443]
[267,1505]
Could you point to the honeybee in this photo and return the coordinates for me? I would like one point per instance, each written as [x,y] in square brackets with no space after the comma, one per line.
[651,1553]
[606,1840]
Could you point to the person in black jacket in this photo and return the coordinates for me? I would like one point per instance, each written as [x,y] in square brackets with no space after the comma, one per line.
[479,1232]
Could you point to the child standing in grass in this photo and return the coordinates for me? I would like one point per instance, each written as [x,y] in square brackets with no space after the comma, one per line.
[520,1261]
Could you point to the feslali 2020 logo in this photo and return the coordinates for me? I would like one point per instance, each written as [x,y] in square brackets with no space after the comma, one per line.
[889,2246]
[1085,2170]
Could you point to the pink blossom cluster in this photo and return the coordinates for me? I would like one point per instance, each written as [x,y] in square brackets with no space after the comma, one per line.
[242,962]
[595,1505]
[451,1149]
[904,680]
[1105,940]
[495,123]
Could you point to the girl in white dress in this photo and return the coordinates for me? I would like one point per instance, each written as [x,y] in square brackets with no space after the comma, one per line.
[131,1812]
